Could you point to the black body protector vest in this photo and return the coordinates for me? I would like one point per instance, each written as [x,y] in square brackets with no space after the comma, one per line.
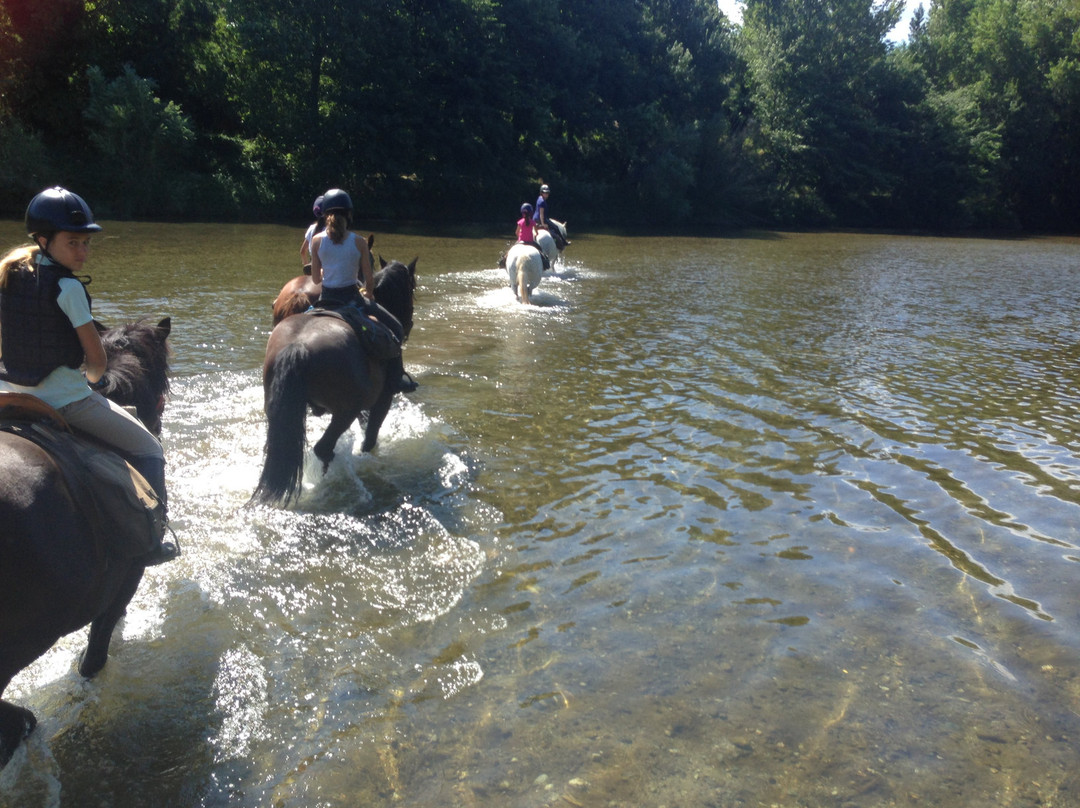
[36,337]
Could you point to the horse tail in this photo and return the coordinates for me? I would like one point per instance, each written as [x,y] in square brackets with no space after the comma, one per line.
[286,437]
[523,282]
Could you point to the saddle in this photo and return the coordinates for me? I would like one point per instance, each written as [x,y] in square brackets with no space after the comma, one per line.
[122,511]
[378,340]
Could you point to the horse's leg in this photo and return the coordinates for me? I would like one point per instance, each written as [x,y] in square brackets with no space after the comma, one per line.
[96,653]
[376,416]
[324,449]
[15,722]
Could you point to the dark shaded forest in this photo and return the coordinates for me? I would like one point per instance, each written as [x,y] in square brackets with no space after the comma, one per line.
[638,112]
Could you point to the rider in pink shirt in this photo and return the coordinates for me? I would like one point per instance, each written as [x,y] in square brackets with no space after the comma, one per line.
[526,232]
[526,228]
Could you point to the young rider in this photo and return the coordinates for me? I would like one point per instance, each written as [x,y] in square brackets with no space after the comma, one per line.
[543,221]
[540,216]
[339,259]
[47,332]
[316,226]
[526,232]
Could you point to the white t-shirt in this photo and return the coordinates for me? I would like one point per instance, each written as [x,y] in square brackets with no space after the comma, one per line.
[340,262]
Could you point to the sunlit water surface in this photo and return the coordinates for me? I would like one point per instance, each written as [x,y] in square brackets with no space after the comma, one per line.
[767,520]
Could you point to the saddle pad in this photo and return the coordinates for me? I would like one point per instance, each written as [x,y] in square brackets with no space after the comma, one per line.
[378,340]
[118,505]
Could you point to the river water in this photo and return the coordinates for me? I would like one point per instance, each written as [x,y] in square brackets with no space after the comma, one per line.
[769,520]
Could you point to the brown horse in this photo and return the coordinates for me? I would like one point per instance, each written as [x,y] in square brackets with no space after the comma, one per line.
[318,361]
[301,293]
[53,579]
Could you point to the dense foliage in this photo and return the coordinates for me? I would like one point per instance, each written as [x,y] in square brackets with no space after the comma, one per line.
[658,111]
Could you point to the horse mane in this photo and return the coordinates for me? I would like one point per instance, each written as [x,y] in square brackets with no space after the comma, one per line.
[394,287]
[137,374]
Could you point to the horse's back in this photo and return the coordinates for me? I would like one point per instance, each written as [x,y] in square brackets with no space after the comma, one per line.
[546,242]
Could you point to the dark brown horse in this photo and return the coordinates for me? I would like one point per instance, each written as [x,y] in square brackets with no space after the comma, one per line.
[53,578]
[318,361]
[301,293]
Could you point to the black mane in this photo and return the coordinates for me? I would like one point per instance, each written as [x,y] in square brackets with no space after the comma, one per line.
[394,286]
[138,368]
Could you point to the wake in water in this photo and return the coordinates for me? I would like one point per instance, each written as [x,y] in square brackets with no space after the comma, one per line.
[259,593]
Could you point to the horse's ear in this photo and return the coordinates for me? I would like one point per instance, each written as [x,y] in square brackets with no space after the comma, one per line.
[382,262]
[370,240]
[412,266]
[165,327]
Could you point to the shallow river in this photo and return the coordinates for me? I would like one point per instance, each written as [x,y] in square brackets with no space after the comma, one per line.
[772,520]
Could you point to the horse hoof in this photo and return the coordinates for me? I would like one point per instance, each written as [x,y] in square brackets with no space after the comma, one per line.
[90,665]
[16,724]
[325,455]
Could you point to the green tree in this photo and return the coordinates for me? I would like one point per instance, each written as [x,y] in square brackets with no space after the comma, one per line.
[815,72]
[142,145]
[1008,70]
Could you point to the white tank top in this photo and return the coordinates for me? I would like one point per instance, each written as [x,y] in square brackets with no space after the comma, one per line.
[340,262]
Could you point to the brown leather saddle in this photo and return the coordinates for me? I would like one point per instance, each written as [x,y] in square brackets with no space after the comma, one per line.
[123,513]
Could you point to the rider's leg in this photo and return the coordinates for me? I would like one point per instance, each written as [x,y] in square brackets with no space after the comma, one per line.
[395,368]
[96,415]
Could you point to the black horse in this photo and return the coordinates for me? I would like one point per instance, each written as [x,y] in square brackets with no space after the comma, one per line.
[54,579]
[319,361]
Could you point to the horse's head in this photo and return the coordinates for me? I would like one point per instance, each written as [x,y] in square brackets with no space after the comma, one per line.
[138,368]
[395,284]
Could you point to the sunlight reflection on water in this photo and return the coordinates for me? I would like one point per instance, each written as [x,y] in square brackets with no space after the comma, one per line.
[788,518]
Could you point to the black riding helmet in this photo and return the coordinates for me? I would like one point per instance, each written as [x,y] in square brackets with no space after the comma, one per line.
[336,199]
[58,209]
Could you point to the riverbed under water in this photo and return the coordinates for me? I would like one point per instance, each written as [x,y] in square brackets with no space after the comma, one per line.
[771,519]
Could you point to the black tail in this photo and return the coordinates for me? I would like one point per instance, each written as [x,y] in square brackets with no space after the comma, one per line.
[286,437]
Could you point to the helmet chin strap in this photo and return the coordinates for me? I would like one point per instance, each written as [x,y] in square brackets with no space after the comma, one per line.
[43,249]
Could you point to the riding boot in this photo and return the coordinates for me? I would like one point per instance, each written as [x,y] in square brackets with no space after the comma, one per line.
[153,469]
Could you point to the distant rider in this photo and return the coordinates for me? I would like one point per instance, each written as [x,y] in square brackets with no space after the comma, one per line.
[339,257]
[47,332]
[526,232]
[543,222]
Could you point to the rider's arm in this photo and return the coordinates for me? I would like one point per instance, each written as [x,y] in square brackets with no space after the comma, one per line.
[316,264]
[365,268]
[96,360]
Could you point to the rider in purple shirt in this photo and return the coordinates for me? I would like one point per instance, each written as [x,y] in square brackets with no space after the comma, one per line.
[540,216]
[542,219]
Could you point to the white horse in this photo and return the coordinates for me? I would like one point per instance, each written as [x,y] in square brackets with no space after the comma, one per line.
[547,243]
[525,268]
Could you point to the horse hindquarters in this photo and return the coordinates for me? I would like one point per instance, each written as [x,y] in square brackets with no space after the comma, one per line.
[525,269]
[52,579]
[285,402]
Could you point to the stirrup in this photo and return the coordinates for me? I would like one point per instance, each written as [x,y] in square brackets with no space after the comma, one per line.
[164,552]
